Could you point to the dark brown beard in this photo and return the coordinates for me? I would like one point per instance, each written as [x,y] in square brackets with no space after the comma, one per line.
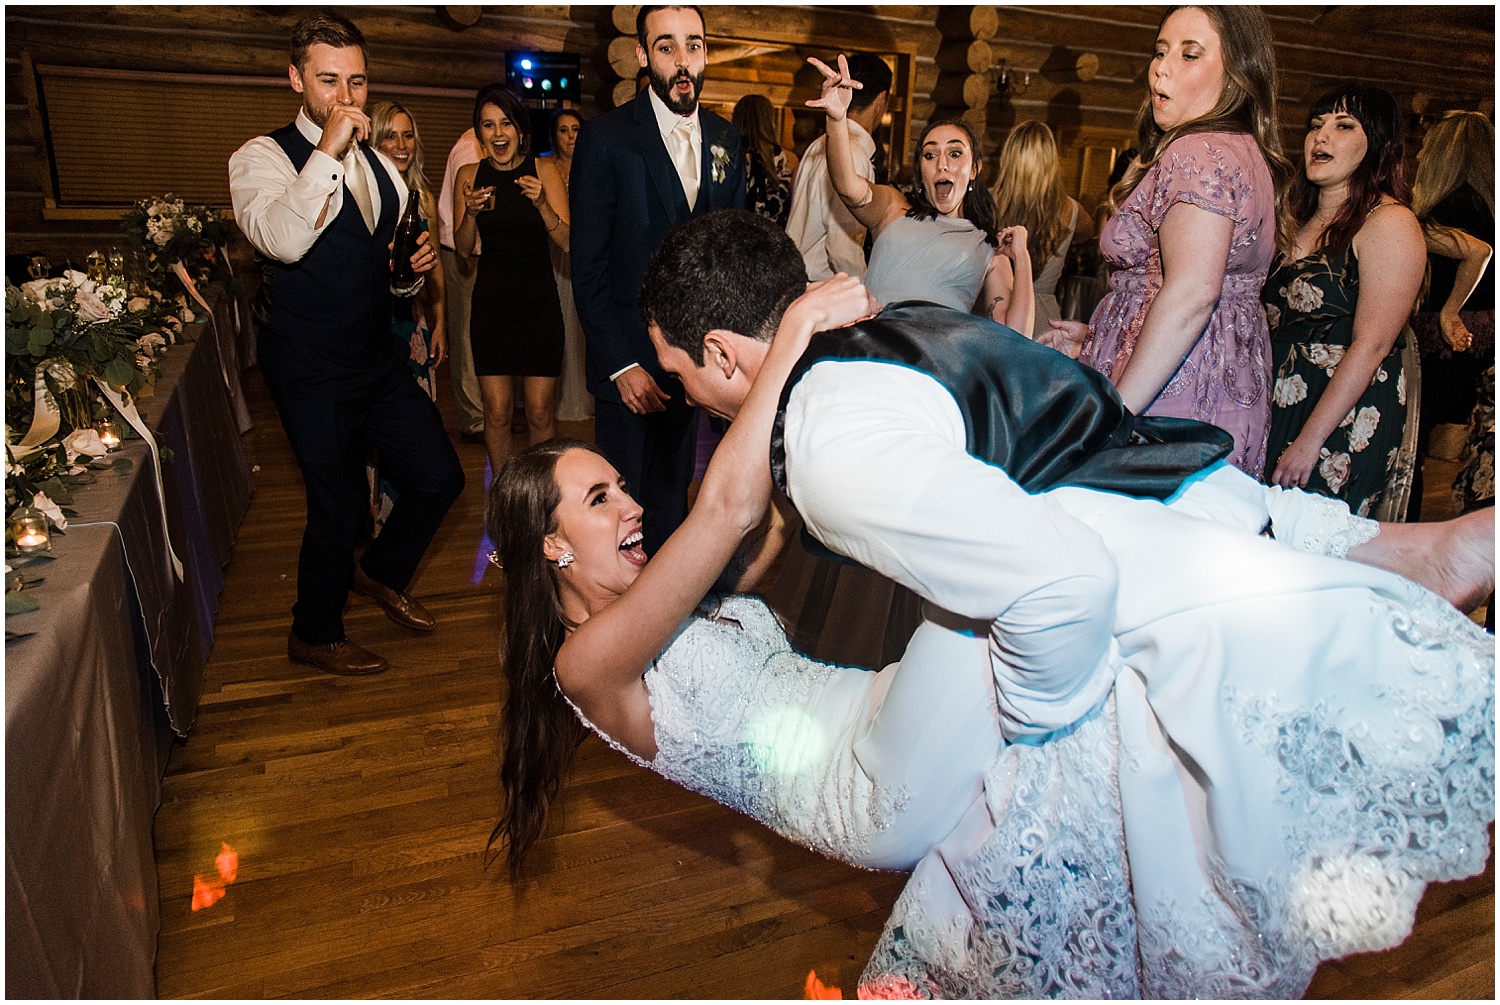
[663,88]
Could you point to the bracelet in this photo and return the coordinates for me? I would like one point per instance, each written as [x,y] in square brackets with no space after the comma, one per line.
[555,225]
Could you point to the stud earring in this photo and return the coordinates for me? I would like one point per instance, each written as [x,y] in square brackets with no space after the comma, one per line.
[565,559]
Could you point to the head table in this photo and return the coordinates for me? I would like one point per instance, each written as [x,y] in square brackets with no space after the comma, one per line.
[101,677]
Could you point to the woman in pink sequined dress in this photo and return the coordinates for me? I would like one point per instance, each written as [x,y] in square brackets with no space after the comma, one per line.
[1197,221]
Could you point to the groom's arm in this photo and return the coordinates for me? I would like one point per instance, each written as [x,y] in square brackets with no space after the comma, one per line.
[876,465]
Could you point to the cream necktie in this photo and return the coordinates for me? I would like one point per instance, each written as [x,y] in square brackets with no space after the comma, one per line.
[686,163]
[354,177]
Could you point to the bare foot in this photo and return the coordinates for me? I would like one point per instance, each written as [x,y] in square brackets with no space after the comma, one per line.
[1468,566]
[1454,559]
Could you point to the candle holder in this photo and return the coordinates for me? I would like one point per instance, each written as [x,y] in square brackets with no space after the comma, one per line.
[28,531]
[109,434]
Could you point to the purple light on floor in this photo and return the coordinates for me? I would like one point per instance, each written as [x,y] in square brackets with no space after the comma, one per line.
[482,554]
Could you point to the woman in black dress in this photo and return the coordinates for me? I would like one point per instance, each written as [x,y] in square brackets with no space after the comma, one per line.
[514,205]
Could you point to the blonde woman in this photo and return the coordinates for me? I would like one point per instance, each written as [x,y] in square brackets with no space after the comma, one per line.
[417,323]
[1029,192]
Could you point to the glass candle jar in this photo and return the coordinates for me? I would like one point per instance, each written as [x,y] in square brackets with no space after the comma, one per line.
[28,531]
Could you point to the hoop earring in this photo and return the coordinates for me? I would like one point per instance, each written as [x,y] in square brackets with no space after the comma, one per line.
[565,559]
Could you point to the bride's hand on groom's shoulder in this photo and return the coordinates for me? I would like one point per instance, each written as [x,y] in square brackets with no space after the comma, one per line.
[831,303]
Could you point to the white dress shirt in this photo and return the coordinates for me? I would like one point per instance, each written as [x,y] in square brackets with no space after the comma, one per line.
[464,152]
[877,466]
[667,121]
[830,238]
[277,208]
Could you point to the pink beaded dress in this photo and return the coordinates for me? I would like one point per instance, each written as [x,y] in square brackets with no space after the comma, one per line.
[1226,377]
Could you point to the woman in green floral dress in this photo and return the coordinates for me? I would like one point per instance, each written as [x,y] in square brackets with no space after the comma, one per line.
[1338,307]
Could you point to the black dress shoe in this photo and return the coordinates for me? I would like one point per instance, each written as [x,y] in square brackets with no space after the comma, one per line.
[399,607]
[342,657]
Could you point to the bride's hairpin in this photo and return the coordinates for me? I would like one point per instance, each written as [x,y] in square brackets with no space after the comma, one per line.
[494,558]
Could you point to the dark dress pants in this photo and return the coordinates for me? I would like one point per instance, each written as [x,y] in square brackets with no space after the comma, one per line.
[333,424]
[654,453]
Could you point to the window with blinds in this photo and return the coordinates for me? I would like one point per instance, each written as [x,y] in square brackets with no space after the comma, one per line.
[115,136]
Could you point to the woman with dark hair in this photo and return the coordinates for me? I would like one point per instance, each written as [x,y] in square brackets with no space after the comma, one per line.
[1339,301]
[940,244]
[1453,196]
[574,403]
[518,207]
[1198,218]
[768,167]
[1175,838]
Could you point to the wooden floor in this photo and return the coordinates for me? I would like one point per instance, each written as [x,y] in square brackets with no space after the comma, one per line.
[359,809]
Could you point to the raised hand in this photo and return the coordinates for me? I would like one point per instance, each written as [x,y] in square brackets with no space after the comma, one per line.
[838,88]
[346,126]
[475,199]
[532,187]
[1013,243]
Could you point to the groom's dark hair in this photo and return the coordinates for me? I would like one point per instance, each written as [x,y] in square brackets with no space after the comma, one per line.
[729,269]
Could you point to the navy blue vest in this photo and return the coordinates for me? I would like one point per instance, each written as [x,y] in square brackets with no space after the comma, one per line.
[1028,409]
[332,310]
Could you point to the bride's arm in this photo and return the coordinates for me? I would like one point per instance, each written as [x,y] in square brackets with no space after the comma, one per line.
[1008,292]
[602,662]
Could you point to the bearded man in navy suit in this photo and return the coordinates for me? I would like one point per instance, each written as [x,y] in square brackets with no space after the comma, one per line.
[639,171]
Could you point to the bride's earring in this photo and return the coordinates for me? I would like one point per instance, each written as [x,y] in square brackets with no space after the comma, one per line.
[565,559]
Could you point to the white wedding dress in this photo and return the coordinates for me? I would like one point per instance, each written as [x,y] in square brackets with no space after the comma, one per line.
[1296,745]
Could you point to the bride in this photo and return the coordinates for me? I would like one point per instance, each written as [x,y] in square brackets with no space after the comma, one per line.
[1296,746]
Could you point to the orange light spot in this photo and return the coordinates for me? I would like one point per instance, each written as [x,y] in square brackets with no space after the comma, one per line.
[228,862]
[816,990]
[206,893]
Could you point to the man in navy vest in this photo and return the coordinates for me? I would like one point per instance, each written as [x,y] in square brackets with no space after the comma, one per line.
[921,443]
[638,171]
[321,209]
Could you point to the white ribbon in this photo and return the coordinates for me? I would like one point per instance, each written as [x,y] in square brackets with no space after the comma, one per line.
[127,408]
[181,273]
[46,420]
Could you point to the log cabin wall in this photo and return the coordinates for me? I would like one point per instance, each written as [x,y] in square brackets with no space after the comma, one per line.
[105,104]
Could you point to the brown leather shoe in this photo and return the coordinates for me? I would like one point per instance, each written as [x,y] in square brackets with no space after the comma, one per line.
[399,607]
[343,657]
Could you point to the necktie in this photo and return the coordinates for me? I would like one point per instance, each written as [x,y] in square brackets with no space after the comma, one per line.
[354,177]
[686,163]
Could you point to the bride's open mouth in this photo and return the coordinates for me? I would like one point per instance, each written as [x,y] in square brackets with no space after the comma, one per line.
[942,189]
[632,550]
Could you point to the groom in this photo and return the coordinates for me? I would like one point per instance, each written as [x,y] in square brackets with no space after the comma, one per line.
[639,171]
[919,444]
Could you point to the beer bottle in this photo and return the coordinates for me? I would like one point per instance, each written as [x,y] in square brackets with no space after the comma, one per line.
[404,280]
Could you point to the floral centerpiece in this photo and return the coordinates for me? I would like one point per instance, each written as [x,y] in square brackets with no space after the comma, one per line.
[169,231]
[61,335]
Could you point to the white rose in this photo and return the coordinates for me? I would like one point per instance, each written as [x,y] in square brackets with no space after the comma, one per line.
[1302,295]
[1289,390]
[51,511]
[1324,356]
[84,441]
[1364,427]
[90,307]
[1334,467]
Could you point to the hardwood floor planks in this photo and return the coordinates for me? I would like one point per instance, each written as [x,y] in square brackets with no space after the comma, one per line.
[360,810]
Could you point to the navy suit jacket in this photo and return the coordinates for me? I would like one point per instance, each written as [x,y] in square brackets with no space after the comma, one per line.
[625,197]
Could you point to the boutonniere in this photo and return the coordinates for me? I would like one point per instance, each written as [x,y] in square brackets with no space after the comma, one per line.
[721,162]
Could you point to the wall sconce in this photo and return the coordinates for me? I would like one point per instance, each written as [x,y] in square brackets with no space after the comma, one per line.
[1014,84]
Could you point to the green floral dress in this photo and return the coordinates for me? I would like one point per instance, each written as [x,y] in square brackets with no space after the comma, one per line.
[1310,307]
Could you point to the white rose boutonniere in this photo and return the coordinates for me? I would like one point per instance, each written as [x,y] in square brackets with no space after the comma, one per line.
[721,162]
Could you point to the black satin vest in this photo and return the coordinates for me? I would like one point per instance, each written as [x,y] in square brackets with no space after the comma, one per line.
[1042,418]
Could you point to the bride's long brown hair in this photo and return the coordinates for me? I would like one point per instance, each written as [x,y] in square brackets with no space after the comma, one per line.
[1247,104]
[540,731]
